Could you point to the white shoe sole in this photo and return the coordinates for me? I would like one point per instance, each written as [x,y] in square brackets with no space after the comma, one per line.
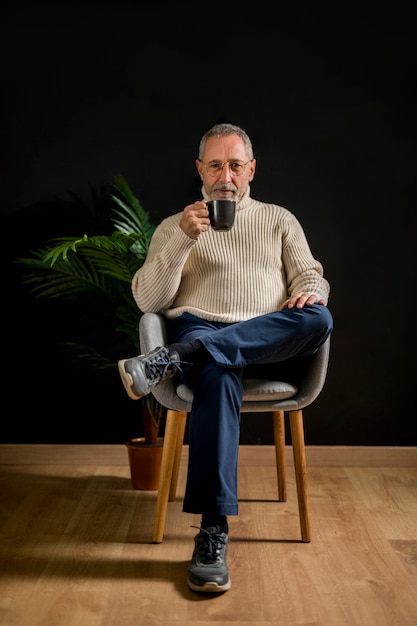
[127,380]
[209,587]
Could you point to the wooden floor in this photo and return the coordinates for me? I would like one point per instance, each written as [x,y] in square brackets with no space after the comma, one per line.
[76,544]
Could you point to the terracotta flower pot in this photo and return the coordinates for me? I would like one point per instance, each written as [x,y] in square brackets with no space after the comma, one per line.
[145,463]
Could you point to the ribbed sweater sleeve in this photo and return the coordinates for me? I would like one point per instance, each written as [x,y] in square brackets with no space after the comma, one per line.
[229,276]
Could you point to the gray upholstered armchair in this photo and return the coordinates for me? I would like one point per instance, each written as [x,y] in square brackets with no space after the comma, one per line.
[266,396]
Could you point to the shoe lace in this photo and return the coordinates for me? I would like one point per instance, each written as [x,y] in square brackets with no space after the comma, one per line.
[160,365]
[212,547]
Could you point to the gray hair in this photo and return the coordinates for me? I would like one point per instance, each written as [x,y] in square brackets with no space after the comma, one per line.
[222,130]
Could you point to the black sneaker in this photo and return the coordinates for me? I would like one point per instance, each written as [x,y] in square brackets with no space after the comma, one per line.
[208,570]
[140,373]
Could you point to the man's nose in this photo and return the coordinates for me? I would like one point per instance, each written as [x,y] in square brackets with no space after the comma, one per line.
[226,175]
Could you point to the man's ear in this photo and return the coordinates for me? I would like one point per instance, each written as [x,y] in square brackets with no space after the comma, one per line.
[199,168]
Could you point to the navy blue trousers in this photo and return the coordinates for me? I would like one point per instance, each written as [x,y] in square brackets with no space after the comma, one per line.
[284,340]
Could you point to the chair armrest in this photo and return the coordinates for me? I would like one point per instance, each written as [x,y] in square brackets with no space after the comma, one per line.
[152,331]
[315,376]
[152,334]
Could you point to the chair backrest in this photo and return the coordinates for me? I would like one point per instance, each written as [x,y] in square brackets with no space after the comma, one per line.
[259,395]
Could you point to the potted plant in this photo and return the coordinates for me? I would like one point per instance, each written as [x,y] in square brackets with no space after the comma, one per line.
[94,273]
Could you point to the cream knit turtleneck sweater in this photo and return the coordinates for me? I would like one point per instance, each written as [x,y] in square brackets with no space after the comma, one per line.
[229,276]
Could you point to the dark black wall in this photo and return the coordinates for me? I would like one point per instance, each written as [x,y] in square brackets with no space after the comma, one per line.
[325,92]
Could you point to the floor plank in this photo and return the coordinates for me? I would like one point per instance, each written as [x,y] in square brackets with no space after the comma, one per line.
[114,454]
[76,546]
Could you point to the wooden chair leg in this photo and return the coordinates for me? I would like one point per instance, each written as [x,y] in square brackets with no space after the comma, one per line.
[167,466]
[298,446]
[181,418]
[279,439]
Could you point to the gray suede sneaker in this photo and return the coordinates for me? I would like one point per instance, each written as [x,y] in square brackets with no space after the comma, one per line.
[208,571]
[140,373]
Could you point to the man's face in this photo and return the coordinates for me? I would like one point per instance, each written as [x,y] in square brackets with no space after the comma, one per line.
[222,157]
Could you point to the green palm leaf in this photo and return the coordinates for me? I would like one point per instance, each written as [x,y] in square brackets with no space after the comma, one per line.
[95,273]
[92,276]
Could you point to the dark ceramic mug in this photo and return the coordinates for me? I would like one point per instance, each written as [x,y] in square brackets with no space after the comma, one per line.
[221,213]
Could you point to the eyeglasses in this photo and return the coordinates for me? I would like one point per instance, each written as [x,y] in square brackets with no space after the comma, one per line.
[215,168]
